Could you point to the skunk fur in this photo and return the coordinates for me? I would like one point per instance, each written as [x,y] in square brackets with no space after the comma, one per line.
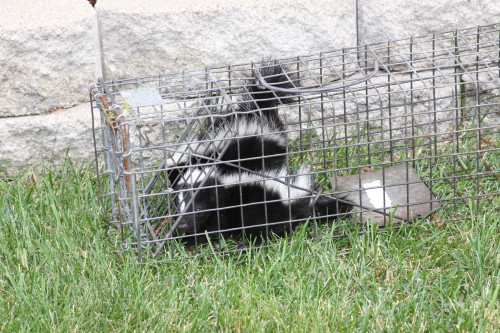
[251,138]
[248,203]
[215,193]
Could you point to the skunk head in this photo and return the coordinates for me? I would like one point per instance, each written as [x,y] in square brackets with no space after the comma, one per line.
[196,201]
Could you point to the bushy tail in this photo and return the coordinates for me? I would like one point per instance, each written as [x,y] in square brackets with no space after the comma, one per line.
[275,74]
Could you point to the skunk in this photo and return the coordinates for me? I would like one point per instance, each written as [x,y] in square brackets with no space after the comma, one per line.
[233,181]
[248,204]
[251,138]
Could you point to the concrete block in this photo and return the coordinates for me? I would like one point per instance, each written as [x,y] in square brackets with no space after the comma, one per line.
[32,141]
[150,37]
[381,20]
[46,52]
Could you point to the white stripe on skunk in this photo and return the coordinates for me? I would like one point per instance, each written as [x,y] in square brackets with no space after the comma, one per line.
[275,182]
[252,136]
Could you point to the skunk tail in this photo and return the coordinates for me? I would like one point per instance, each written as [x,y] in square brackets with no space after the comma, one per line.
[258,97]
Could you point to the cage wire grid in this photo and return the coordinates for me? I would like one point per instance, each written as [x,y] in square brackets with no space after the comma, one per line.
[429,103]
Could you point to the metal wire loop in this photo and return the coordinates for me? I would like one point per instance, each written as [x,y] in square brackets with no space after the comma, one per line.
[318,90]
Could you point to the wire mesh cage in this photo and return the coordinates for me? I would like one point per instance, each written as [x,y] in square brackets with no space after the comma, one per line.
[380,134]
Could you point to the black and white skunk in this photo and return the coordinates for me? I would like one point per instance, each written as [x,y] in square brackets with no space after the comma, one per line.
[249,204]
[232,179]
[251,138]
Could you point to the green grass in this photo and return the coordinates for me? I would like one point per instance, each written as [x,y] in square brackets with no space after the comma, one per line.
[58,272]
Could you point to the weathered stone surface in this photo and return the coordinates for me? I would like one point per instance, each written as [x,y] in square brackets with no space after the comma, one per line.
[46,52]
[32,141]
[381,20]
[488,99]
[150,37]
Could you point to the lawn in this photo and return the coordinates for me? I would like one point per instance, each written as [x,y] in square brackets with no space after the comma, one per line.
[58,272]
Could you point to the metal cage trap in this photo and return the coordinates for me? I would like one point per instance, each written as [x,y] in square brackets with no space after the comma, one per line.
[384,133]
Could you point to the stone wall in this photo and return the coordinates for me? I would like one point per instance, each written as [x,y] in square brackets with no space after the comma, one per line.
[48,51]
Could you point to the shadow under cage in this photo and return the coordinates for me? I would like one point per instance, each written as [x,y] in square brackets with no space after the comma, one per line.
[222,157]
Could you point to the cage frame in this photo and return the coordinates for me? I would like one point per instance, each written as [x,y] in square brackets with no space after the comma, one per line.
[369,61]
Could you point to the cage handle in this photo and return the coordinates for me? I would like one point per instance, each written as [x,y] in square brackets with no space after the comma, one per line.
[263,82]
